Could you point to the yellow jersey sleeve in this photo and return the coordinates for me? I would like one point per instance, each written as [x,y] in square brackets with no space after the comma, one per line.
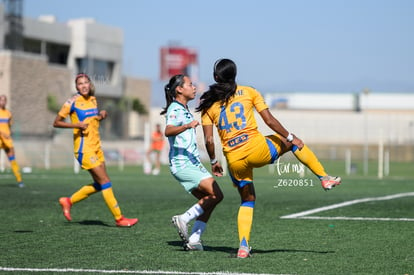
[258,100]
[206,119]
[67,107]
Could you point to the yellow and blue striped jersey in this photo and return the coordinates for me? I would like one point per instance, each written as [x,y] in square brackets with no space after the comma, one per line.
[83,110]
[235,120]
[5,121]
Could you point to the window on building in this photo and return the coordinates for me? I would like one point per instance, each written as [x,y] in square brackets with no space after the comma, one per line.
[56,53]
[99,70]
[32,45]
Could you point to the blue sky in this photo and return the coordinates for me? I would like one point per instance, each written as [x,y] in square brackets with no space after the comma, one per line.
[279,46]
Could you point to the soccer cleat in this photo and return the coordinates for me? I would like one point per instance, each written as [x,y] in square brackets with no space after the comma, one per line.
[244,252]
[66,205]
[20,184]
[125,222]
[328,182]
[181,226]
[156,172]
[193,246]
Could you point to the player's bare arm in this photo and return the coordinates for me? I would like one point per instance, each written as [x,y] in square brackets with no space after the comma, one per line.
[171,130]
[61,123]
[216,167]
[276,126]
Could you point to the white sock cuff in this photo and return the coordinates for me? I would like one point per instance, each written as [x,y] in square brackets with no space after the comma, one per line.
[192,213]
[199,209]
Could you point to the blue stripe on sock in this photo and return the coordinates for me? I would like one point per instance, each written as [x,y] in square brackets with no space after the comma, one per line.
[294,148]
[13,157]
[248,203]
[243,242]
[106,185]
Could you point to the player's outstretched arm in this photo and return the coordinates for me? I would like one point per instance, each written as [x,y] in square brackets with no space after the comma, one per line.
[276,126]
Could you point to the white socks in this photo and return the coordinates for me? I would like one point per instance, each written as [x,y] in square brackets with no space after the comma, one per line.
[199,226]
[192,213]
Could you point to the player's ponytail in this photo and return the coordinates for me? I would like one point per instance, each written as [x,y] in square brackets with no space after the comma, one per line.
[170,90]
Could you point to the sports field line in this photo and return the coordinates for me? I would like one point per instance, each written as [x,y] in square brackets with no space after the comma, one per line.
[97,271]
[358,219]
[302,215]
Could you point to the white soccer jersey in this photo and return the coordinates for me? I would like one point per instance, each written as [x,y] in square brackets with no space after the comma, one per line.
[183,147]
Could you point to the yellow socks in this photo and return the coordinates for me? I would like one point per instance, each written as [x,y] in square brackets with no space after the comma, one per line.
[16,170]
[110,200]
[83,193]
[244,222]
[107,193]
[308,158]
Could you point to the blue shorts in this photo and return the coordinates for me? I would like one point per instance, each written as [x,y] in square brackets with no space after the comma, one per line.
[191,176]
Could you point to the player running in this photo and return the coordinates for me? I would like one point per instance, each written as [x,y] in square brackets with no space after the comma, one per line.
[230,108]
[82,109]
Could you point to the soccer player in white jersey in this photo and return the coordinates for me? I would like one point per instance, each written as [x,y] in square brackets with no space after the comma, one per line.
[185,164]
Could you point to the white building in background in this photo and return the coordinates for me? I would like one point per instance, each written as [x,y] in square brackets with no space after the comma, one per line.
[82,45]
[45,63]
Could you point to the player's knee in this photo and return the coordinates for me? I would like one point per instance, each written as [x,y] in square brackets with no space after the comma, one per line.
[218,197]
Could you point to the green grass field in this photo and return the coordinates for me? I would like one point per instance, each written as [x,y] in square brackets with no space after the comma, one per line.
[35,237]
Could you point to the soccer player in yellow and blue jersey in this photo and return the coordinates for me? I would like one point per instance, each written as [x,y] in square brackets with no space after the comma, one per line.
[6,142]
[84,115]
[230,107]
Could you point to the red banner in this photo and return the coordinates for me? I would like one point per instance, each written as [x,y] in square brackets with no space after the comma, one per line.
[179,60]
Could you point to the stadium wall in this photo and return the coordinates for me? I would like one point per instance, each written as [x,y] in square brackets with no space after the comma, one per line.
[332,135]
